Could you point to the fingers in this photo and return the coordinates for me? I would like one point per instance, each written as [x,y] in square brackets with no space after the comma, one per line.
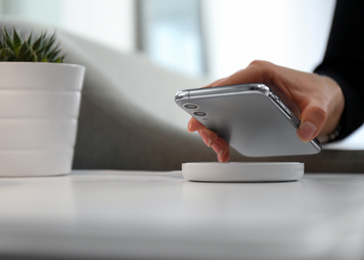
[256,72]
[221,148]
[312,121]
[194,125]
[216,83]
[208,137]
[322,111]
[211,139]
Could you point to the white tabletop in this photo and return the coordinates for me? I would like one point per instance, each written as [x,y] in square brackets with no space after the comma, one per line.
[159,215]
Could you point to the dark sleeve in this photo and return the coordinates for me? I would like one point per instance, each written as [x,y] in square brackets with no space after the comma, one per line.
[344,61]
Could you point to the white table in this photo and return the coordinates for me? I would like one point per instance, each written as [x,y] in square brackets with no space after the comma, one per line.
[159,215]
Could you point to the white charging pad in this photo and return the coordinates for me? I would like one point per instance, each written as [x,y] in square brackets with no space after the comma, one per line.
[242,172]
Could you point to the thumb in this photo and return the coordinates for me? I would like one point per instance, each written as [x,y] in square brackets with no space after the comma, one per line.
[313,119]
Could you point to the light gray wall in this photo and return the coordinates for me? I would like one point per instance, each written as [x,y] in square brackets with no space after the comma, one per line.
[39,11]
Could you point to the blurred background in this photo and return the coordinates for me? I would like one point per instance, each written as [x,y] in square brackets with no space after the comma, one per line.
[212,38]
[198,38]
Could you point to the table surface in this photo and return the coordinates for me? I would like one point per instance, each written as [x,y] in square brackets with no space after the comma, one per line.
[159,215]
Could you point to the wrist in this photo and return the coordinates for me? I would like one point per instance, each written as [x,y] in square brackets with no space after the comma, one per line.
[327,138]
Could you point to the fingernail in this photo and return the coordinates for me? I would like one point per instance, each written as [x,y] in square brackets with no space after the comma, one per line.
[205,137]
[306,131]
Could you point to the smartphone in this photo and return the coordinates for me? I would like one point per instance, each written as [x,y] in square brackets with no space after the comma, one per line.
[250,117]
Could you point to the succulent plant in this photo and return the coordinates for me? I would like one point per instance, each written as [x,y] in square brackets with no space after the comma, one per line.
[40,49]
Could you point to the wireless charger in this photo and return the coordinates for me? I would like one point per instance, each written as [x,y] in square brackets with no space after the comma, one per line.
[243,172]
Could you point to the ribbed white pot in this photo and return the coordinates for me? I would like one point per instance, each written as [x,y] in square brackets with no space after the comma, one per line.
[39,107]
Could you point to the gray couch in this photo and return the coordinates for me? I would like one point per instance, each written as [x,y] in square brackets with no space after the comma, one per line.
[128,119]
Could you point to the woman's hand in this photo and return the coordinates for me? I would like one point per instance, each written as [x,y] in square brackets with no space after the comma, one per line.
[319,100]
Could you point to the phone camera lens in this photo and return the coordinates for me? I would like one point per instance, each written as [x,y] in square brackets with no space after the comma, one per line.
[190,106]
[199,113]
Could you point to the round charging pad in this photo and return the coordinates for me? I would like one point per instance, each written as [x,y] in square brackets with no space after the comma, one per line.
[242,172]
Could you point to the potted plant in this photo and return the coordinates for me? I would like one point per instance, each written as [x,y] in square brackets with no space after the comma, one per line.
[39,105]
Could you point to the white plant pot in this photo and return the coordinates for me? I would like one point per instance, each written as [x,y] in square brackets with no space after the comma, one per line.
[39,107]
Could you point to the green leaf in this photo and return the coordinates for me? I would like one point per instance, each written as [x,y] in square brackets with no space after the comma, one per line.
[29,40]
[33,57]
[7,39]
[9,55]
[9,52]
[53,55]
[24,52]
[14,47]
[28,56]
[16,39]
[37,43]
[50,42]
[60,59]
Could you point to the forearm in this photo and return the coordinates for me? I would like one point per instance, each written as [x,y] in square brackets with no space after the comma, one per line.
[344,62]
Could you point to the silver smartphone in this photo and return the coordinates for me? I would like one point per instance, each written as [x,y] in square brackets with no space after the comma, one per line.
[250,117]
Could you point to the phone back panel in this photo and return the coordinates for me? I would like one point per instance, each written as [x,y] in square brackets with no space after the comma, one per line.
[250,122]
